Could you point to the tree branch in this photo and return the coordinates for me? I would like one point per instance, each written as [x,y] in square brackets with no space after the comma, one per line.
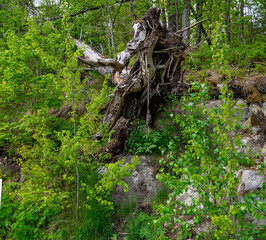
[75,14]
[84,11]
[191,26]
[92,57]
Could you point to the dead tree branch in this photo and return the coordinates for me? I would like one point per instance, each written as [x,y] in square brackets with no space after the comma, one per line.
[191,26]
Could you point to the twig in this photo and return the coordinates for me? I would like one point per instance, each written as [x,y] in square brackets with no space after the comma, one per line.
[195,24]
[75,14]
[117,12]
[205,38]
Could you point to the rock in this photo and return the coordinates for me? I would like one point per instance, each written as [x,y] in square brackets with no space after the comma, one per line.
[191,221]
[203,228]
[264,108]
[143,185]
[263,151]
[254,108]
[219,86]
[249,181]
[253,145]
[247,123]
[188,196]
[245,110]
[102,170]
[216,78]
[255,130]
[213,103]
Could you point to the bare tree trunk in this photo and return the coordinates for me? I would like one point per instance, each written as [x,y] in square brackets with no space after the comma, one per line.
[111,31]
[177,14]
[228,21]
[164,17]
[242,20]
[171,16]
[202,27]
[132,10]
[199,15]
[186,21]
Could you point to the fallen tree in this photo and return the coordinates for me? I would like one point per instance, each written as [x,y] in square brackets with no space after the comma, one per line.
[156,72]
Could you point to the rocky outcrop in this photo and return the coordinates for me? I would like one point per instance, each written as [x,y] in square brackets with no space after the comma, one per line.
[143,185]
[249,181]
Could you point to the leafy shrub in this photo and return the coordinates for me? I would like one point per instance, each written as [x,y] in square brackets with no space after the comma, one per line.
[208,167]
[149,141]
[141,227]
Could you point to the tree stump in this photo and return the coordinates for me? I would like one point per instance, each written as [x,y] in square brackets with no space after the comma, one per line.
[156,72]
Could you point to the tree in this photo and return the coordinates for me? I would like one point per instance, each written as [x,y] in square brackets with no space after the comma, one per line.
[155,73]
[228,20]
[186,18]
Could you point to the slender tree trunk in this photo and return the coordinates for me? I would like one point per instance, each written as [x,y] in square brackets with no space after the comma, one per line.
[177,14]
[111,31]
[228,21]
[202,27]
[186,21]
[171,16]
[252,26]
[242,21]
[132,10]
[164,17]
[199,15]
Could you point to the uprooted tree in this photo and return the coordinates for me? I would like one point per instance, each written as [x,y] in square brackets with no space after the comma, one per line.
[155,73]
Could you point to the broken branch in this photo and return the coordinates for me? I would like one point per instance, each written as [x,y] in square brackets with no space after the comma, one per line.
[195,24]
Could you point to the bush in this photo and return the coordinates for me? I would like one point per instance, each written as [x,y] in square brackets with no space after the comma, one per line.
[149,141]
[208,167]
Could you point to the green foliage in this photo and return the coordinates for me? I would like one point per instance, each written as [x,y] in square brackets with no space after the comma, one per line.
[141,227]
[149,141]
[208,167]
[64,196]
[49,197]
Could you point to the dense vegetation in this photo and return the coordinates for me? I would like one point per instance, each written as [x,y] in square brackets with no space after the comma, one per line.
[50,113]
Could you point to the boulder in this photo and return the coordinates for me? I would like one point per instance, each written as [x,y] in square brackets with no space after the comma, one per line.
[253,144]
[188,196]
[213,103]
[264,108]
[249,181]
[241,103]
[143,185]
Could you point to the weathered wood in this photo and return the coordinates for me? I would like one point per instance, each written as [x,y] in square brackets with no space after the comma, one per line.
[92,57]
[155,74]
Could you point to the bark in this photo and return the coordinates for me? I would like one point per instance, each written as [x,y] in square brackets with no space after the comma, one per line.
[172,25]
[177,14]
[156,73]
[202,27]
[132,10]
[242,21]
[164,17]
[92,57]
[251,22]
[111,31]
[228,21]
[199,15]
[186,21]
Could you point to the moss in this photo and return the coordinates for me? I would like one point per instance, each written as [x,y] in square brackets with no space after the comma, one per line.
[253,95]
